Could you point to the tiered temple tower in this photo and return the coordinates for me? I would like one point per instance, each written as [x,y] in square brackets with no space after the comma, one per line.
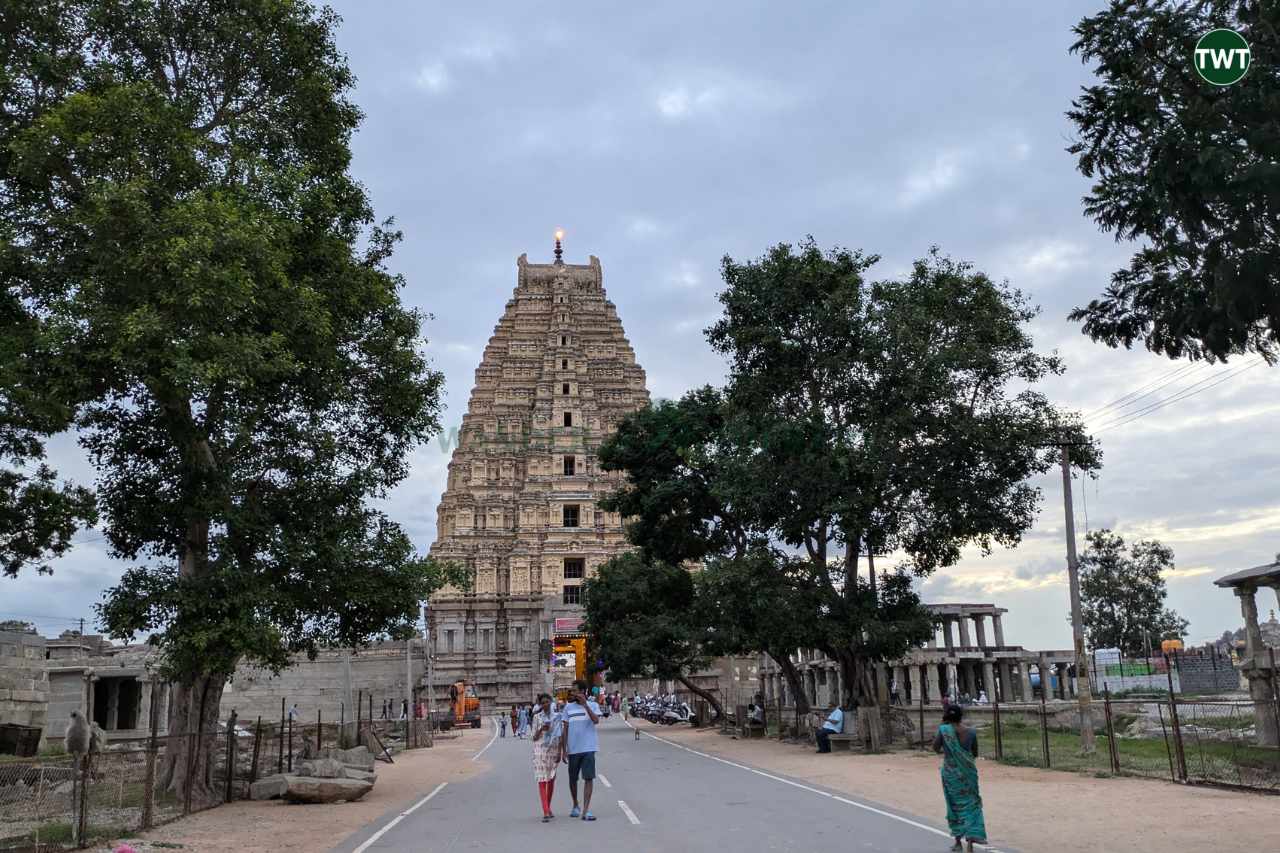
[521,508]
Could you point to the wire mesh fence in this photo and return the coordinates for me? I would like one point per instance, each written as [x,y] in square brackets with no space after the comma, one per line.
[58,802]
[1184,740]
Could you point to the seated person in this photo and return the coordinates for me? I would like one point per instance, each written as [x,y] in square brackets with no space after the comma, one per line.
[833,725]
[755,716]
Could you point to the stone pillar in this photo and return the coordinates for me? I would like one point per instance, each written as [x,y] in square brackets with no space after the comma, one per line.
[1006,681]
[1024,675]
[917,685]
[1249,610]
[947,640]
[1046,689]
[989,680]
[999,630]
[953,680]
[933,693]
[1064,687]
[964,632]
[839,685]
[981,630]
[882,684]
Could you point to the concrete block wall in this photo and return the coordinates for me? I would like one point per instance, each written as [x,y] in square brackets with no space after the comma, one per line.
[1205,673]
[24,686]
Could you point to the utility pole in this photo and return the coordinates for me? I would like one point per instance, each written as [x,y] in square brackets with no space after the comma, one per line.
[1083,692]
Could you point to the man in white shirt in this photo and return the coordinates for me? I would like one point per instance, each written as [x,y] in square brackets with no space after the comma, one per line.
[579,744]
[833,725]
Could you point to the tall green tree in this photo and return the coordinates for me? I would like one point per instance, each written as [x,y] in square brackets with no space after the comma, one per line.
[861,419]
[179,217]
[1187,170]
[1123,593]
[643,620]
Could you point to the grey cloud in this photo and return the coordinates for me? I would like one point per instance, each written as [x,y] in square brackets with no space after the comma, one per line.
[813,122]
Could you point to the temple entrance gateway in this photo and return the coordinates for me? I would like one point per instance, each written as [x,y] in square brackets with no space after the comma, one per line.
[521,506]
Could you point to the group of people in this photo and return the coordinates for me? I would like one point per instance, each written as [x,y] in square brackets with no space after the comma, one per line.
[958,745]
[521,717]
[566,734]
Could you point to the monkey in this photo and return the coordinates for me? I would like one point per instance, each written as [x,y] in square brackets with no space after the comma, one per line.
[76,739]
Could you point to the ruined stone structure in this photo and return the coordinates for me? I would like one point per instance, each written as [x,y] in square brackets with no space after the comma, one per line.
[24,686]
[1258,664]
[971,663]
[521,508]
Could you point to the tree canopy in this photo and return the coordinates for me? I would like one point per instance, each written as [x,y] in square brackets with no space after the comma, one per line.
[1123,592]
[644,621]
[1188,170]
[213,289]
[861,418]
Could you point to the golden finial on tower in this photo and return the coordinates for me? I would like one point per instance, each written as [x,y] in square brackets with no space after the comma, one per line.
[559,237]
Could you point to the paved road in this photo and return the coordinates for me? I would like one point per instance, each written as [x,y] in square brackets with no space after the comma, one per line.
[652,795]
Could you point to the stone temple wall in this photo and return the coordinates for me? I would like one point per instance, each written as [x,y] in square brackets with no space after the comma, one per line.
[24,686]
[521,507]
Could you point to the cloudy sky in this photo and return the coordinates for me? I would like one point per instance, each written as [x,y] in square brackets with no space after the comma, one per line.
[666,136]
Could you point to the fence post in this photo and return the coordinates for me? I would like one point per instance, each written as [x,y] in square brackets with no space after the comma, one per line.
[82,819]
[257,744]
[319,732]
[280,738]
[231,757]
[1111,732]
[922,721]
[1173,775]
[149,778]
[1275,688]
[1173,719]
[39,800]
[781,726]
[1044,722]
[995,711]
[290,744]
[359,709]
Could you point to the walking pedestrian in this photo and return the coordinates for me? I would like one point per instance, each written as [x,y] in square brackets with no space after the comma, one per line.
[546,752]
[293,712]
[958,745]
[580,743]
[515,716]
[502,724]
[523,719]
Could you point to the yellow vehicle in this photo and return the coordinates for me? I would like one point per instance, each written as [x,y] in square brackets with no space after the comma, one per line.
[464,704]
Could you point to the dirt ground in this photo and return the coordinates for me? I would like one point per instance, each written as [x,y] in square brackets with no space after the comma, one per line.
[273,826]
[1025,807]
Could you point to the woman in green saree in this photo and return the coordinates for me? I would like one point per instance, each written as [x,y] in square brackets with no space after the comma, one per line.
[959,747]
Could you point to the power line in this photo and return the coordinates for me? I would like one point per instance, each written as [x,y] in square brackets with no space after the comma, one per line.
[1163,380]
[1190,391]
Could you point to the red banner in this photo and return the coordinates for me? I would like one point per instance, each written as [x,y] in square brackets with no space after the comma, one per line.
[568,624]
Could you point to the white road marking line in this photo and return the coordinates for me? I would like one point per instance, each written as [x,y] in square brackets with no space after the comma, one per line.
[881,812]
[489,744]
[626,809]
[397,819]
[603,779]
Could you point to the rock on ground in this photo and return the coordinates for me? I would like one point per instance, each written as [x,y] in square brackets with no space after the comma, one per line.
[313,789]
[323,768]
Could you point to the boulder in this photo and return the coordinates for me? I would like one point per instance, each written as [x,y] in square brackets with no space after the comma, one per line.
[362,775]
[359,757]
[269,787]
[323,768]
[314,789]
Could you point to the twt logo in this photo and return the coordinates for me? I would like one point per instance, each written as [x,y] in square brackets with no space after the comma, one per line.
[1222,57]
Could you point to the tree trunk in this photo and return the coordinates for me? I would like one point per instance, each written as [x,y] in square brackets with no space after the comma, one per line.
[193,734]
[794,681]
[859,692]
[702,694]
